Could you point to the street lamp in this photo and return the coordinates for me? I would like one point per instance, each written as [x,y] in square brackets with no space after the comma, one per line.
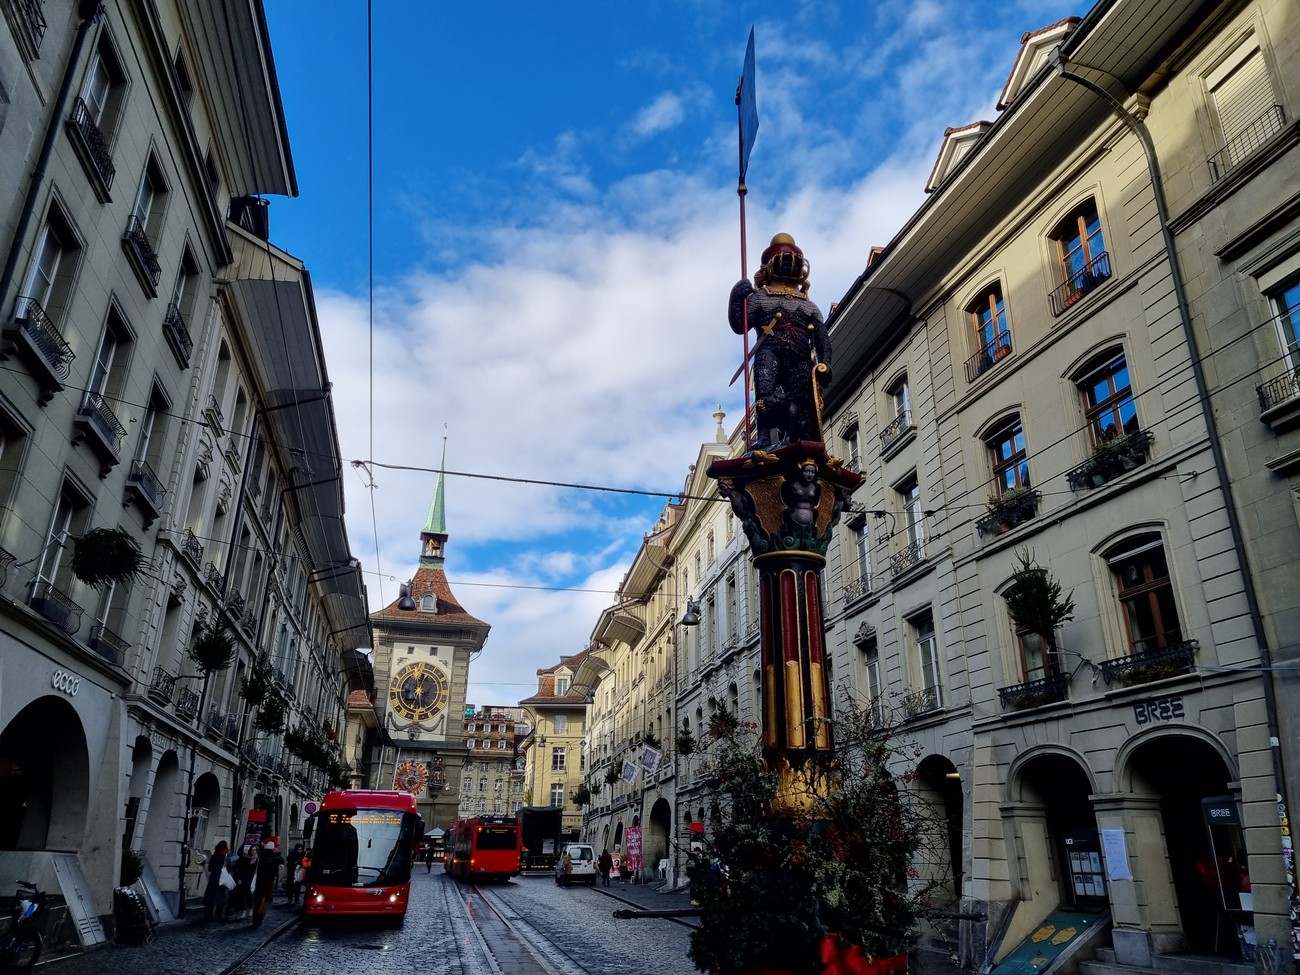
[692,615]
[405,602]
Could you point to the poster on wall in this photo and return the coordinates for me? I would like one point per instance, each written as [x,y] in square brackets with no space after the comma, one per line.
[634,848]
[255,829]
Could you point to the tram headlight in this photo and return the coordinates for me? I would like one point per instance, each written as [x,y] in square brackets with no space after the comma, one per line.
[320,898]
[392,898]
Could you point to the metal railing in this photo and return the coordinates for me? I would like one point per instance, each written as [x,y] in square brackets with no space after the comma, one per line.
[146,481]
[192,547]
[1008,511]
[175,328]
[1149,665]
[1031,694]
[162,685]
[31,23]
[892,433]
[140,247]
[94,141]
[1110,459]
[989,355]
[1241,146]
[1080,283]
[53,604]
[916,703]
[912,555]
[212,576]
[108,645]
[39,328]
[1278,391]
[187,704]
[857,589]
[96,412]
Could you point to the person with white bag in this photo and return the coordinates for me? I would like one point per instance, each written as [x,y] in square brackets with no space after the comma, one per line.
[220,883]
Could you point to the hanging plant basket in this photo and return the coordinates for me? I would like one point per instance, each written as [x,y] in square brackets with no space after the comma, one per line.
[213,647]
[256,685]
[104,557]
[270,716]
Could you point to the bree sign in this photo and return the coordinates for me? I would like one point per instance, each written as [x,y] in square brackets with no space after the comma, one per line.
[1159,709]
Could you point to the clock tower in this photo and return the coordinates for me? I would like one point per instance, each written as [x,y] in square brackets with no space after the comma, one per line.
[423,643]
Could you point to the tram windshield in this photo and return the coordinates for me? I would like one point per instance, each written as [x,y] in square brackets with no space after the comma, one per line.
[363,847]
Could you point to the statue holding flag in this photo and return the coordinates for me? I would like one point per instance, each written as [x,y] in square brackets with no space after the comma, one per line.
[792,356]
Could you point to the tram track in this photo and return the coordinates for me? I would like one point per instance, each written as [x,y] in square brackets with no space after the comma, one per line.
[512,943]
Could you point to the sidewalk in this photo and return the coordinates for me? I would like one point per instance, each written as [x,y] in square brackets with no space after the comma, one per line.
[652,896]
[185,947]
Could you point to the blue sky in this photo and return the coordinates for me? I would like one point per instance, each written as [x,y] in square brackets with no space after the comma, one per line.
[555,233]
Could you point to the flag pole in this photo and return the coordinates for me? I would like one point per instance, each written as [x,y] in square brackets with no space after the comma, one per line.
[742,191]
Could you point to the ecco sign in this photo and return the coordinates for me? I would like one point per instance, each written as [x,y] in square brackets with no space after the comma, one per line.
[69,684]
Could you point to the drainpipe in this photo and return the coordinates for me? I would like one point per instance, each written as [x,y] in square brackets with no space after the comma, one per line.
[89,11]
[1059,61]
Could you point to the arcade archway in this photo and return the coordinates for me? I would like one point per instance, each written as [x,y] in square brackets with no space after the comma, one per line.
[44,778]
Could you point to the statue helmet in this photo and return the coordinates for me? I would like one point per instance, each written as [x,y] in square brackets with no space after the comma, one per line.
[784,260]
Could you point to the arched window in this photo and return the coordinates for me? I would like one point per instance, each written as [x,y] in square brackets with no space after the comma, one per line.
[1145,594]
[988,318]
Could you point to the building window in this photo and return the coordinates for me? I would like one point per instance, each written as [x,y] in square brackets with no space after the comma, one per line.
[853,447]
[930,692]
[28,22]
[95,114]
[1245,106]
[1108,401]
[909,502]
[1035,656]
[711,549]
[428,604]
[1286,305]
[557,758]
[1145,594]
[557,794]
[49,275]
[1009,459]
[862,557]
[470,744]
[988,318]
[145,223]
[71,517]
[561,688]
[1082,261]
[875,684]
[561,724]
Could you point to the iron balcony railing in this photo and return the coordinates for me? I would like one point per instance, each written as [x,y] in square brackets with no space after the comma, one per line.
[235,604]
[192,547]
[44,337]
[916,703]
[31,24]
[178,332]
[94,142]
[989,355]
[187,704]
[7,559]
[912,555]
[894,432]
[212,576]
[1153,664]
[1243,145]
[143,478]
[1044,690]
[856,589]
[53,604]
[1006,512]
[138,245]
[1278,391]
[96,412]
[1110,459]
[231,730]
[108,645]
[216,720]
[162,685]
[1080,283]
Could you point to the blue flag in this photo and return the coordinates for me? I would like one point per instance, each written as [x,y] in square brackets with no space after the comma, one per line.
[748,107]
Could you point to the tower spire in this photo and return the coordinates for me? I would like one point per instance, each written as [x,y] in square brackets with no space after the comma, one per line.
[433,539]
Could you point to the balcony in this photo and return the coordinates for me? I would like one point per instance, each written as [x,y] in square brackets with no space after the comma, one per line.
[187,704]
[192,547]
[138,247]
[1110,459]
[914,704]
[161,686]
[55,606]
[35,338]
[1008,510]
[231,730]
[177,333]
[235,604]
[216,720]
[989,356]
[857,589]
[1244,144]
[1148,665]
[144,488]
[212,576]
[27,21]
[212,413]
[1034,693]
[7,559]
[896,431]
[1279,401]
[910,557]
[108,645]
[96,425]
[93,148]
[1081,282]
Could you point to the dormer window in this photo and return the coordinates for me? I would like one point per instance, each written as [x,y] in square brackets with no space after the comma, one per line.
[561,686]
[428,604]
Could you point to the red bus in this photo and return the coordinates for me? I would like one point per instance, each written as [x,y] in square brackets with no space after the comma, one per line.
[362,847]
[484,848]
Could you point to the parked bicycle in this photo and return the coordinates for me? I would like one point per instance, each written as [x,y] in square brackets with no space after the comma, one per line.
[21,944]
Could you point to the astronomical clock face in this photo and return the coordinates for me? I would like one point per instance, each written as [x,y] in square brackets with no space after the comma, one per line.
[411,777]
[418,691]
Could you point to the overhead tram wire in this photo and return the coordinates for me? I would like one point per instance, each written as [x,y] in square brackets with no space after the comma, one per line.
[370,276]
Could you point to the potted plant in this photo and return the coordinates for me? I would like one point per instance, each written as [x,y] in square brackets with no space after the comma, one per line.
[1035,602]
[1013,506]
[797,892]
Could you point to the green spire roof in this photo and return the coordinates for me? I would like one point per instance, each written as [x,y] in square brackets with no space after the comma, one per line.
[434,535]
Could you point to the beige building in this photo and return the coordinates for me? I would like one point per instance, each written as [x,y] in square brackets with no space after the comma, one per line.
[492,780]
[424,642]
[1025,369]
[555,750]
[162,376]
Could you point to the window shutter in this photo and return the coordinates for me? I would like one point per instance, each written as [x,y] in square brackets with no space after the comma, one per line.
[1242,90]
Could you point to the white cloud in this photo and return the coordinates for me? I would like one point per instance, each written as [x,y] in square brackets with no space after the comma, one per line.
[662,114]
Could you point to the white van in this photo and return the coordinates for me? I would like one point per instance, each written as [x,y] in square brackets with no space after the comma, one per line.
[581,861]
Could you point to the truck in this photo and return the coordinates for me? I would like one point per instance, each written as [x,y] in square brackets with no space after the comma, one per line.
[539,832]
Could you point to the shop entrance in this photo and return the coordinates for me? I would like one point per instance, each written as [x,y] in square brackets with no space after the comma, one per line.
[1061,785]
[44,778]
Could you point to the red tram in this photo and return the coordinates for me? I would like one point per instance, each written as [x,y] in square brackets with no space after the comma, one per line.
[362,849]
[484,848]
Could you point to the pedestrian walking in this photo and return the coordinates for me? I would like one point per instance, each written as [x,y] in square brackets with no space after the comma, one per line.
[293,873]
[428,860]
[215,895]
[269,862]
[245,870]
[605,864]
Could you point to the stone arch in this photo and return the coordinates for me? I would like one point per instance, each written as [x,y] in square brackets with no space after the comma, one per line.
[1014,789]
[44,777]
[658,834]
[205,812]
[159,818]
[138,787]
[938,786]
[1129,777]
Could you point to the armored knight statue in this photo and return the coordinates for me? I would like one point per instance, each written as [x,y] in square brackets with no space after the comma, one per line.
[793,351]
